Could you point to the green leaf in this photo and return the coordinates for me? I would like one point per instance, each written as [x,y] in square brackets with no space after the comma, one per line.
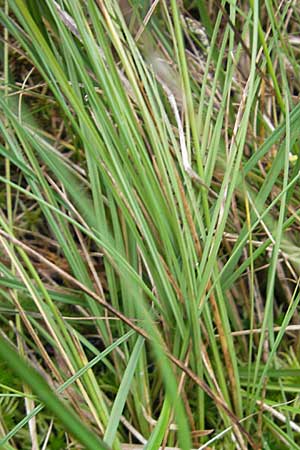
[122,394]
[59,409]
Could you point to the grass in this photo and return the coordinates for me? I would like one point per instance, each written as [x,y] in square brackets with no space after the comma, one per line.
[149,225]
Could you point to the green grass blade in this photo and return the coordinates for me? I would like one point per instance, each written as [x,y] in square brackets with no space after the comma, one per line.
[45,394]
[122,394]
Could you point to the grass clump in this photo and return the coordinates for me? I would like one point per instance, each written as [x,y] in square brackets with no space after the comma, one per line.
[150,227]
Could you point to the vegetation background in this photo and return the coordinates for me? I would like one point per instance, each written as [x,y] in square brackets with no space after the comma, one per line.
[149,224]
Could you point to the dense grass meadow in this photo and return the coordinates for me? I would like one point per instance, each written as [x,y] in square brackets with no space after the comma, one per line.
[150,224]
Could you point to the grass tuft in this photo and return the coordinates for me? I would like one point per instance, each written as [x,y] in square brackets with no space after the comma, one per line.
[149,225]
